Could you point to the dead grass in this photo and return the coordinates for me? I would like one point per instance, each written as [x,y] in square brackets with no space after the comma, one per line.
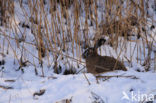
[56,24]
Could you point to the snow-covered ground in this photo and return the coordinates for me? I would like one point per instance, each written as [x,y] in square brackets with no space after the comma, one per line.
[132,86]
[138,86]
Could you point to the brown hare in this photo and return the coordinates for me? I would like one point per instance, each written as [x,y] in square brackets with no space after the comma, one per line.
[99,64]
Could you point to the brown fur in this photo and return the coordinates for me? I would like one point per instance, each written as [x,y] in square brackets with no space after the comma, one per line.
[99,64]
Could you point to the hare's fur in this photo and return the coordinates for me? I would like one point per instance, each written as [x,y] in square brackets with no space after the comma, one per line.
[99,64]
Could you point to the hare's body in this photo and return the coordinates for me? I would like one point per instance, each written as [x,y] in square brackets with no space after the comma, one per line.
[99,64]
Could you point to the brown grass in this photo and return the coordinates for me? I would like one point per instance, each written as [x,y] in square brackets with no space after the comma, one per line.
[53,32]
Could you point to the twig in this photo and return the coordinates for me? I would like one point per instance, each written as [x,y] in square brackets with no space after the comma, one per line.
[10,80]
[147,62]
[80,70]
[39,93]
[155,61]
[131,76]
[97,98]
[5,87]
[86,78]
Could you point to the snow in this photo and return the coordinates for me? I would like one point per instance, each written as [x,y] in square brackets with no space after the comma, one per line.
[59,87]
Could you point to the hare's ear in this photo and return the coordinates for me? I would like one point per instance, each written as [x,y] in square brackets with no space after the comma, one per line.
[85,54]
[99,43]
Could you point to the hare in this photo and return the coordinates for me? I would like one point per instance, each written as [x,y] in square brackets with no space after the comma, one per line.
[98,64]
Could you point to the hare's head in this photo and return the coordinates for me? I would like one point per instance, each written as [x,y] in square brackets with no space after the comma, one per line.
[92,51]
[89,53]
